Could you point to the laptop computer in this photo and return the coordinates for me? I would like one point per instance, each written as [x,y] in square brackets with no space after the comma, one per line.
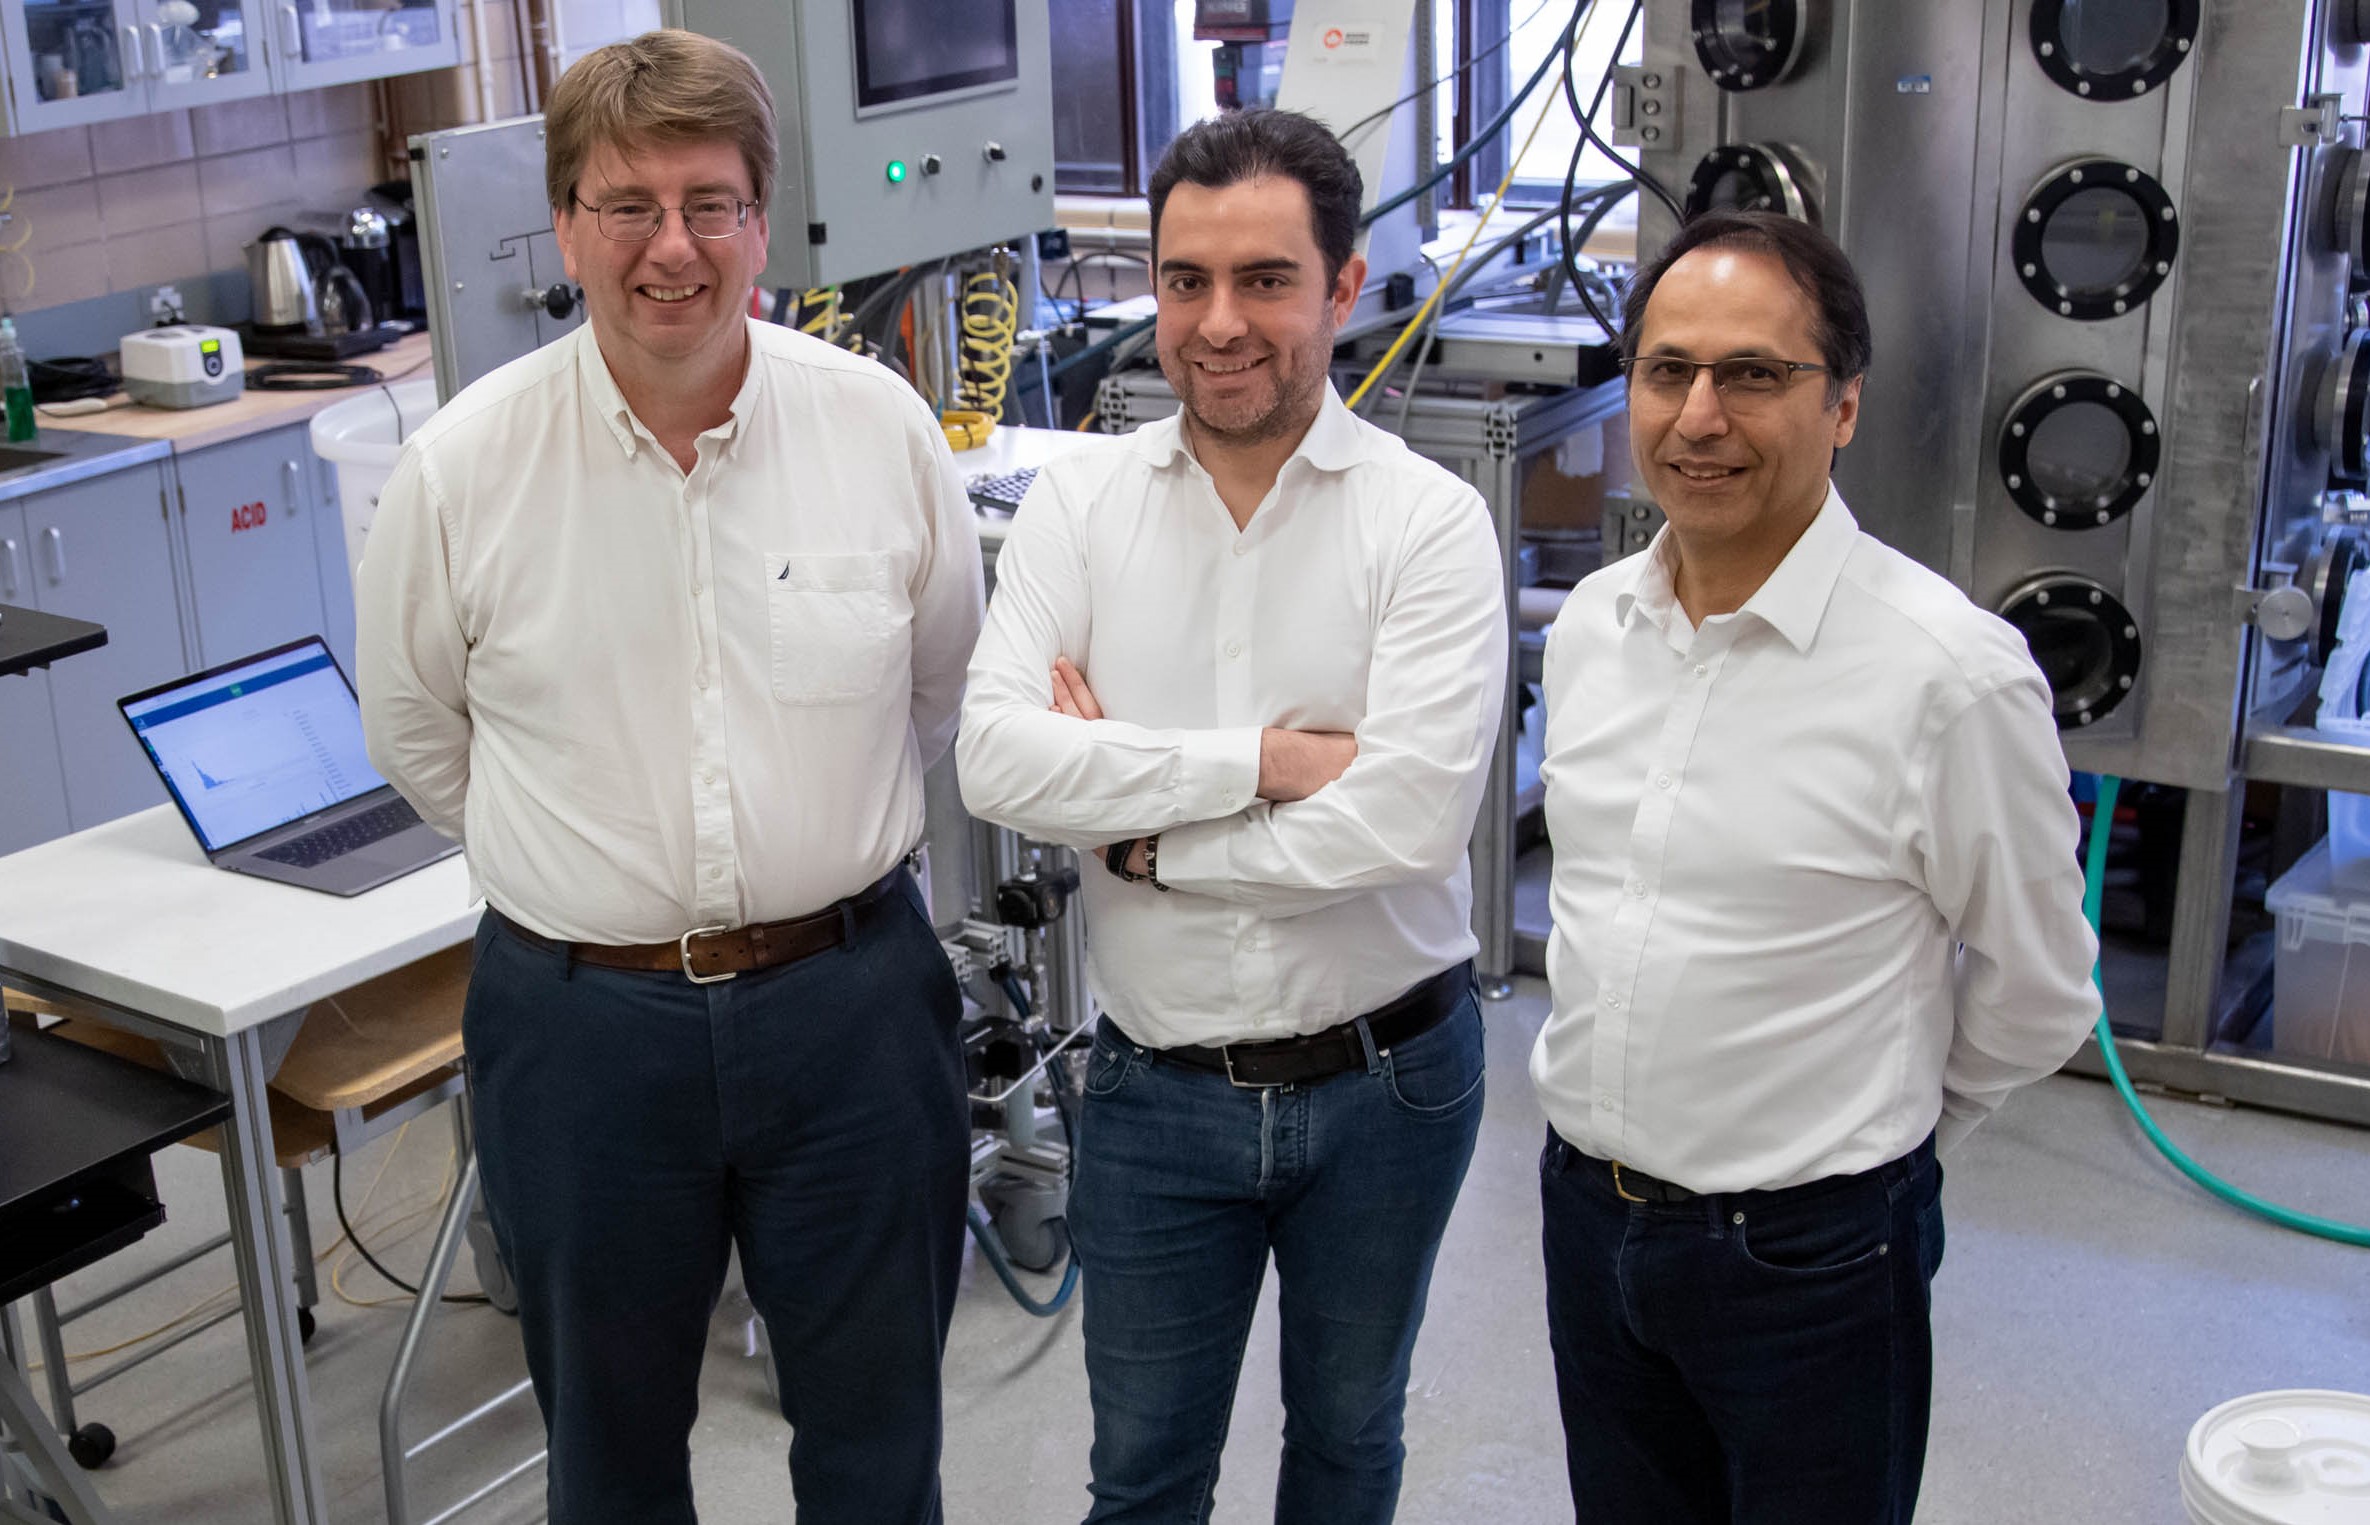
[264,756]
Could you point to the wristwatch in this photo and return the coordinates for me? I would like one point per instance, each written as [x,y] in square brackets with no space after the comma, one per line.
[1115,859]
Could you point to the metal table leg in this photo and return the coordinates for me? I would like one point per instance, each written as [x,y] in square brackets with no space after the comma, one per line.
[260,1241]
[54,1474]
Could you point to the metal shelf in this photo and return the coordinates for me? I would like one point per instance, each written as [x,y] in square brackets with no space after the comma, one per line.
[2283,1082]
[2299,755]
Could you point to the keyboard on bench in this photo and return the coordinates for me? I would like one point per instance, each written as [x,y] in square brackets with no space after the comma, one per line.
[1001,493]
[342,837]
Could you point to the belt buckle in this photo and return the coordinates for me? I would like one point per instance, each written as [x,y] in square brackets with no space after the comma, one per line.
[1226,1052]
[1622,1191]
[683,947]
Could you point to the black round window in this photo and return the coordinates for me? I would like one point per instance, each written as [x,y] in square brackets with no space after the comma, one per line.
[2095,239]
[1750,177]
[1745,44]
[2112,49]
[2341,420]
[2086,644]
[2078,450]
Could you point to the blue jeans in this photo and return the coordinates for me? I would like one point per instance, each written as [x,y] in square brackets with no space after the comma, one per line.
[632,1127]
[1185,1185]
[1758,1357]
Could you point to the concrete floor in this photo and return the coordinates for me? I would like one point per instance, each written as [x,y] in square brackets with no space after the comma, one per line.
[2092,1305]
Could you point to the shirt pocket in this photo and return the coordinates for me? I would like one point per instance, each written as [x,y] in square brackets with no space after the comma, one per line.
[838,623]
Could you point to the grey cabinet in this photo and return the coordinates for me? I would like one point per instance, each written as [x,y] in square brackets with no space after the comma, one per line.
[246,515]
[32,782]
[98,550]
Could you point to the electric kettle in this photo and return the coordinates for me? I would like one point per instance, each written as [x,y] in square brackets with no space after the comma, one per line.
[297,281]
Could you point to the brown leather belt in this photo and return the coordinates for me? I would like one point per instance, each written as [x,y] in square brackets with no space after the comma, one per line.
[1294,1061]
[706,955]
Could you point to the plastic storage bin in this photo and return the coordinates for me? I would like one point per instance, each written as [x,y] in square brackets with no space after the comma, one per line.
[361,437]
[2320,992]
[2349,814]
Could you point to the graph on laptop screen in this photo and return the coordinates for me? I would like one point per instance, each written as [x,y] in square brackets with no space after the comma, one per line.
[258,745]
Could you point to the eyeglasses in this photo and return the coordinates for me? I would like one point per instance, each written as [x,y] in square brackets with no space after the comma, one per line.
[1741,378]
[633,222]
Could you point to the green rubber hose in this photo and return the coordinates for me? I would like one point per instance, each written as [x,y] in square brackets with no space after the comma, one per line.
[2094,885]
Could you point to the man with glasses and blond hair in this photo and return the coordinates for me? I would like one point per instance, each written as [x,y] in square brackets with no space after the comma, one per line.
[1816,911]
[664,622]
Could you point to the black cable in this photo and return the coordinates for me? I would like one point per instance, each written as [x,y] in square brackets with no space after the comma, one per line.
[1588,131]
[310,376]
[337,1197]
[1573,243]
[69,377]
[1449,78]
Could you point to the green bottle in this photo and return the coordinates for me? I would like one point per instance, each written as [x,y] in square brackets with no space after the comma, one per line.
[16,383]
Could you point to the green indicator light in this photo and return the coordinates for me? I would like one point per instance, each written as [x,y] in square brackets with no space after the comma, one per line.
[896,171]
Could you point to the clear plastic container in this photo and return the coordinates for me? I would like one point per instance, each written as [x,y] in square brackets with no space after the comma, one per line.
[2349,814]
[361,437]
[2320,980]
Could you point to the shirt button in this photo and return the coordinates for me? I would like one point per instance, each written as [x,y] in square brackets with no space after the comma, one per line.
[1234,648]
[1612,1003]
[1241,549]
[701,678]
[1661,780]
[1605,1103]
[707,778]
[1637,888]
[1700,669]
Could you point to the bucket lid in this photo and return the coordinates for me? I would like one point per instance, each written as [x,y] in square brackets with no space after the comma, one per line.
[2295,1457]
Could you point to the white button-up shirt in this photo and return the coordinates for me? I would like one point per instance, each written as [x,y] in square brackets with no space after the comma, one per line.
[1367,594]
[1773,834]
[648,700]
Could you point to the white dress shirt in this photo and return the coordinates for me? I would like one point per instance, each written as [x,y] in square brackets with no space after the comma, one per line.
[649,700]
[1773,833]
[1366,595]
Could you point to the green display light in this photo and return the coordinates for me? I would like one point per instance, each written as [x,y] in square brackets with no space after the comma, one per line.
[896,171]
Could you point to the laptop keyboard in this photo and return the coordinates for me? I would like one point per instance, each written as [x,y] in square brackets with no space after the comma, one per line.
[339,838]
[1001,494]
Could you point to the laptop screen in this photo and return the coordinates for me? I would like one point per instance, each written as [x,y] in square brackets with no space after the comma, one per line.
[257,744]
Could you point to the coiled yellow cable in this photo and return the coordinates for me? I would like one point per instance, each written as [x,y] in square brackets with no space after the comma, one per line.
[991,322]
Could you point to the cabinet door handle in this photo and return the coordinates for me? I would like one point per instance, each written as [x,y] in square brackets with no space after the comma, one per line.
[295,476]
[133,66]
[291,33]
[56,541]
[156,51]
[10,552]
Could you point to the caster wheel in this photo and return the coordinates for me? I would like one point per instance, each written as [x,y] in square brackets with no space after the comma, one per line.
[1033,1244]
[306,1324]
[90,1446]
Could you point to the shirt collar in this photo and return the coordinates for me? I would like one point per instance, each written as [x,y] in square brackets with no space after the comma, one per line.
[1791,602]
[1333,441]
[592,367]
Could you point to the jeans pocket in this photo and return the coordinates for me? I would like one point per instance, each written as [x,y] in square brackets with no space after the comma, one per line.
[1109,1062]
[1440,1072]
[1825,1236]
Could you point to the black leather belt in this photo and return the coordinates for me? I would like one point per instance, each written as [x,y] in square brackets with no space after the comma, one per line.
[1294,1061]
[707,955]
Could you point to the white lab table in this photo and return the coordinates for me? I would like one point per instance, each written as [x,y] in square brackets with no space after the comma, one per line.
[130,918]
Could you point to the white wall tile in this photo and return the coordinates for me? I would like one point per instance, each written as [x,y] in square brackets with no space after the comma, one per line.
[331,172]
[149,198]
[236,182]
[231,126]
[142,141]
[46,158]
[155,256]
[73,273]
[318,113]
[58,215]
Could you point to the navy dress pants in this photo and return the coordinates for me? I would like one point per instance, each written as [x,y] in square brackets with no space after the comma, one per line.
[1745,1358]
[632,1128]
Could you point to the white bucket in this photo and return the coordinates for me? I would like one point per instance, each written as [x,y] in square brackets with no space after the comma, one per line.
[2297,1457]
[361,437]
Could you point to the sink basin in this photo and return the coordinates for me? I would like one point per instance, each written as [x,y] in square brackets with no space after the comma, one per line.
[17,460]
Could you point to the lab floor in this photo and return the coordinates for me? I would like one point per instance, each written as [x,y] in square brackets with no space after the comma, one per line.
[2092,1305]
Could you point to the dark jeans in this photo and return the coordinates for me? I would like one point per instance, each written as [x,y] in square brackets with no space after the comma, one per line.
[633,1127]
[1759,1357]
[1185,1186]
